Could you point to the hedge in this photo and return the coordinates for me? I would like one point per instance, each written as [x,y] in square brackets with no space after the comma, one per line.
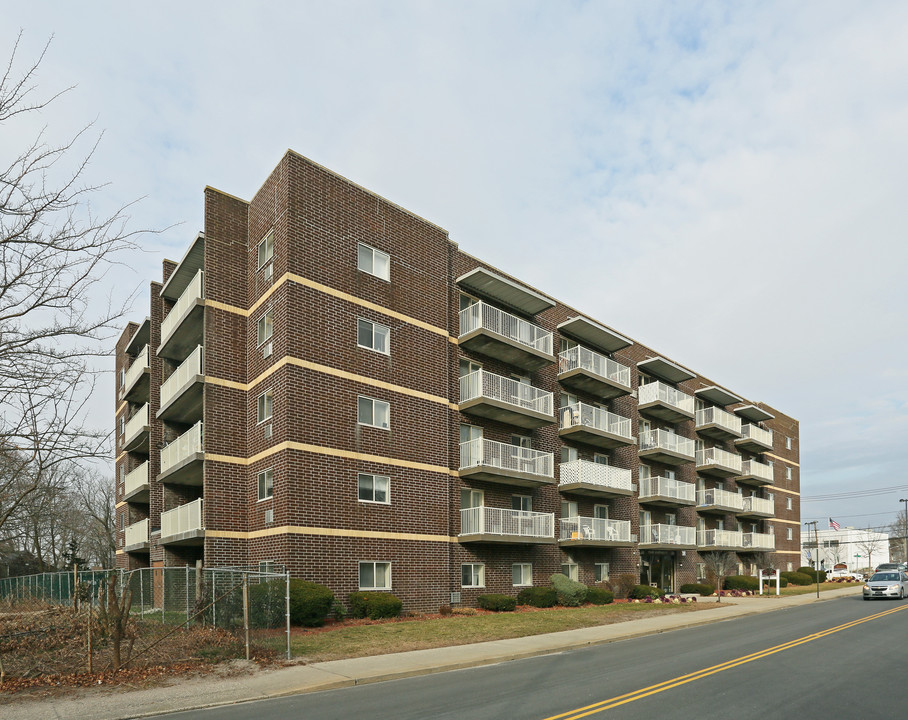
[701,588]
[599,595]
[796,578]
[812,574]
[268,604]
[570,592]
[639,592]
[374,605]
[542,597]
[310,603]
[497,602]
[741,582]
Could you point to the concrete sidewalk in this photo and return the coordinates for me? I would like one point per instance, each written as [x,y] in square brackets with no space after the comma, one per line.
[106,704]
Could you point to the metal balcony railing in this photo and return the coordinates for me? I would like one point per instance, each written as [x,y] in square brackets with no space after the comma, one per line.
[590,416]
[666,394]
[758,434]
[759,541]
[720,498]
[136,479]
[592,473]
[489,453]
[182,519]
[587,528]
[720,538]
[594,363]
[134,372]
[187,444]
[483,384]
[480,315]
[194,291]
[190,367]
[136,425]
[665,440]
[136,534]
[661,534]
[757,470]
[667,488]
[717,456]
[484,520]
[759,505]
[716,416]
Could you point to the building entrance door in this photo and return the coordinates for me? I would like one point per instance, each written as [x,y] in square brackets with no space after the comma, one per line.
[658,570]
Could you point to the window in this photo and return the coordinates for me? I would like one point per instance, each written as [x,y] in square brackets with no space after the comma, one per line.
[265,327]
[122,377]
[770,528]
[473,575]
[788,503]
[568,454]
[122,425]
[374,488]
[789,567]
[600,512]
[373,261]
[470,498]
[788,473]
[122,521]
[569,509]
[468,367]
[701,571]
[376,413]
[266,484]
[600,572]
[265,406]
[522,574]
[467,301]
[789,535]
[646,518]
[266,249]
[671,519]
[788,443]
[375,576]
[600,459]
[373,336]
[771,497]
[570,571]
[522,502]
[266,566]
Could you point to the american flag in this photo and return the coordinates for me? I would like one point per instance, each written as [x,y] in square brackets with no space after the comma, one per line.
[833,524]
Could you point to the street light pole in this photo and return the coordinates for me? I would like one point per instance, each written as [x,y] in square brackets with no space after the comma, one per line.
[817,563]
[905,539]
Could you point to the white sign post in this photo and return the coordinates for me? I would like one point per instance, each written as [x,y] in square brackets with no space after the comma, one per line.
[770,575]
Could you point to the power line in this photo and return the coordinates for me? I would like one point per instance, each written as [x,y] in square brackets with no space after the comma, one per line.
[854,494]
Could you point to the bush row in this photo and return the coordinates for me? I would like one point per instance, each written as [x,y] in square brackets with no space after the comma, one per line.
[701,588]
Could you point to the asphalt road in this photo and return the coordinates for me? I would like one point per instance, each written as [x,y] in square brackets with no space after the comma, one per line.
[823,660]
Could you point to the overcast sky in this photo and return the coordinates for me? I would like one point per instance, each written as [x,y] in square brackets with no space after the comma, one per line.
[747,160]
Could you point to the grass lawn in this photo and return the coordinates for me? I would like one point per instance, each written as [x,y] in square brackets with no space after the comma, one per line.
[805,589]
[358,640]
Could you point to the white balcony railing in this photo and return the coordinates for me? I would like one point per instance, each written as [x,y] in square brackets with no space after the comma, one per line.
[489,453]
[666,394]
[716,416]
[759,541]
[758,434]
[717,456]
[189,443]
[714,497]
[587,528]
[757,470]
[482,384]
[136,479]
[484,520]
[194,291]
[665,440]
[592,473]
[720,538]
[591,416]
[667,488]
[139,366]
[480,315]
[667,535]
[136,425]
[136,534]
[190,367]
[594,363]
[182,519]
[759,505]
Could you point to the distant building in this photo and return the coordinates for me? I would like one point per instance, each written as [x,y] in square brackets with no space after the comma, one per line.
[857,549]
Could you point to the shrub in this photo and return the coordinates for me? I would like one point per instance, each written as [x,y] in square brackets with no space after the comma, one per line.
[497,602]
[741,582]
[599,595]
[268,604]
[374,605]
[699,588]
[771,584]
[796,578]
[623,585]
[542,597]
[310,602]
[445,610]
[570,592]
[641,592]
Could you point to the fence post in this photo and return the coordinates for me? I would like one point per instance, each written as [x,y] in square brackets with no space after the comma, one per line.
[246,610]
[198,589]
[287,608]
[186,592]
[76,586]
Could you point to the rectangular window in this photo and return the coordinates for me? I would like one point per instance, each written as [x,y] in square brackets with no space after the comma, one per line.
[122,520]
[522,574]
[266,484]
[788,443]
[266,566]
[266,249]
[376,413]
[265,406]
[788,567]
[789,535]
[600,512]
[373,336]
[600,459]
[788,503]
[568,454]
[373,261]
[701,571]
[570,571]
[122,425]
[671,519]
[473,575]
[470,498]
[600,572]
[569,509]
[374,488]
[468,367]
[122,377]
[375,576]
[522,502]
[788,473]
[265,327]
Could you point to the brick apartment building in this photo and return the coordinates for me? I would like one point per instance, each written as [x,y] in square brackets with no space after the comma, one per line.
[327,382]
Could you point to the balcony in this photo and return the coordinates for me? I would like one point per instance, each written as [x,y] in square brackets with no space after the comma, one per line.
[181,393]
[135,484]
[493,461]
[135,379]
[665,402]
[498,525]
[184,525]
[506,400]
[489,331]
[755,473]
[135,434]
[754,439]
[719,501]
[594,426]
[715,461]
[181,330]
[667,491]
[136,537]
[588,371]
[595,532]
[757,507]
[583,477]
[759,542]
[720,540]
[666,447]
[182,459]
[667,537]
[716,423]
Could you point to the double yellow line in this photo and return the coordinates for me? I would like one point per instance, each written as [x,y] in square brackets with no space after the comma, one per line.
[706,672]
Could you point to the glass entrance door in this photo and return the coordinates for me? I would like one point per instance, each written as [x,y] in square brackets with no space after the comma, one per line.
[657,569]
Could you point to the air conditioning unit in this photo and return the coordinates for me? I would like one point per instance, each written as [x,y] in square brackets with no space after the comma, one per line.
[267,349]
[455,598]
[269,516]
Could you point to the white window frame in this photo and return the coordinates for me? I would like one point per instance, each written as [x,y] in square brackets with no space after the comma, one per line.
[569,454]
[373,326]
[788,443]
[265,250]
[571,571]
[788,473]
[264,405]
[601,572]
[788,503]
[701,571]
[600,511]
[526,574]
[374,403]
[374,479]
[266,566]
[369,266]
[789,534]
[525,500]
[570,505]
[788,567]
[477,575]
[265,327]
[265,484]
[375,564]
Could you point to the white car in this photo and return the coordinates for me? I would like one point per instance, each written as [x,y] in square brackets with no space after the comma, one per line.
[887,584]
[845,574]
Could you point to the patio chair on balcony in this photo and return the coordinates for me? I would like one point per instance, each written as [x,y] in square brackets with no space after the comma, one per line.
[587,532]
[569,418]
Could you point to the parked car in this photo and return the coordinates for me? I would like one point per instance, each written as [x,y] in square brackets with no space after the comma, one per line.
[887,584]
[884,567]
[845,575]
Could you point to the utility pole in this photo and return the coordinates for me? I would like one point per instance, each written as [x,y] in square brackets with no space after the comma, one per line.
[817,562]
[905,500]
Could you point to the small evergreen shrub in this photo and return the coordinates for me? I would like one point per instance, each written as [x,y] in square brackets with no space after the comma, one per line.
[570,592]
[310,603]
[796,578]
[699,588]
[599,595]
[741,582]
[641,592]
[542,597]
[497,602]
[374,605]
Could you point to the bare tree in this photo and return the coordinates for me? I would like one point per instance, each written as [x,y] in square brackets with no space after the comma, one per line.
[97,504]
[719,564]
[870,542]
